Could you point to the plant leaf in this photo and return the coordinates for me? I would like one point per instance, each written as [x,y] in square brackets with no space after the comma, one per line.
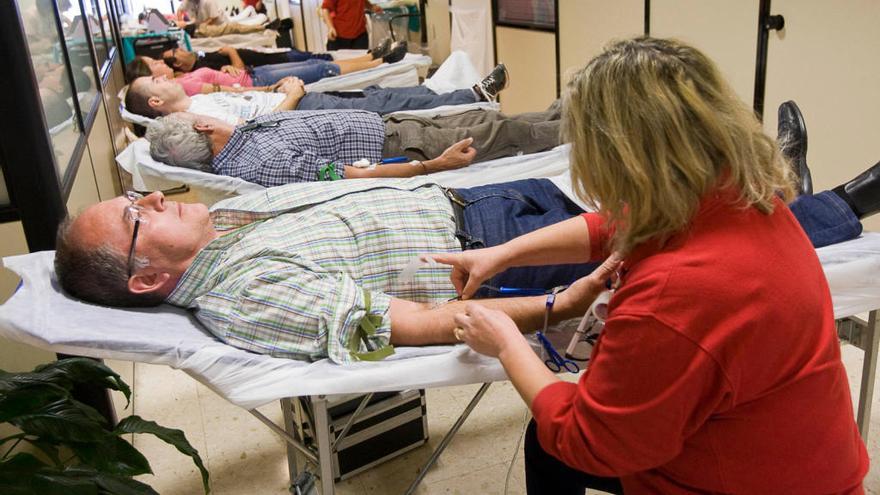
[136,424]
[47,448]
[64,420]
[67,373]
[25,399]
[120,485]
[113,455]
[24,474]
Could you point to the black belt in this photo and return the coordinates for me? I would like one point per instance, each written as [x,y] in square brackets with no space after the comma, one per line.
[458,204]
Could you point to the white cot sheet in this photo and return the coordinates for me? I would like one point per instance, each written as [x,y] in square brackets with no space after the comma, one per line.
[41,315]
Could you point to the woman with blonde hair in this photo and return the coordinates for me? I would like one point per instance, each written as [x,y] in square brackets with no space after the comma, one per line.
[718,369]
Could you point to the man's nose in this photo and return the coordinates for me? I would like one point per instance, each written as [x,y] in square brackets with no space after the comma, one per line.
[154,200]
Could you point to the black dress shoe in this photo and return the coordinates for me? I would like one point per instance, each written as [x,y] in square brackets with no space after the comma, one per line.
[381,49]
[492,84]
[862,193]
[792,138]
[395,53]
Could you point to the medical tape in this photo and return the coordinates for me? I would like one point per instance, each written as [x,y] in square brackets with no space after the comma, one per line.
[407,274]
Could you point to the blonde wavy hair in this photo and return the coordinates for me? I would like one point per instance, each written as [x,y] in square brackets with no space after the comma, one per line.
[653,127]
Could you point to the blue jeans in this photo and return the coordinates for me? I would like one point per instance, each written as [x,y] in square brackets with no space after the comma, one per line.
[497,213]
[385,100]
[308,70]
[294,55]
[826,218]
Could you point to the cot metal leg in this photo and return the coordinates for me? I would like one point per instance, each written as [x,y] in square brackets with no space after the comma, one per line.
[287,412]
[869,369]
[283,434]
[448,438]
[322,438]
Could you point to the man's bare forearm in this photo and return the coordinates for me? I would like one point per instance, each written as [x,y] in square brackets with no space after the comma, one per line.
[419,324]
[235,59]
[289,103]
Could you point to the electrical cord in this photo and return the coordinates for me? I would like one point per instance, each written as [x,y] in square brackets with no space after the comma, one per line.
[516,449]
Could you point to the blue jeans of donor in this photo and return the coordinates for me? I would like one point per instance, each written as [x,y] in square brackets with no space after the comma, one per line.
[308,70]
[497,213]
[385,100]
[826,218]
[294,55]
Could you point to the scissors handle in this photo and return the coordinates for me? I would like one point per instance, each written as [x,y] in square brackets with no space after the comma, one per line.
[553,365]
[570,366]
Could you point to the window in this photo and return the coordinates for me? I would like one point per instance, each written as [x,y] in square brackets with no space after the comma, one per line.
[539,14]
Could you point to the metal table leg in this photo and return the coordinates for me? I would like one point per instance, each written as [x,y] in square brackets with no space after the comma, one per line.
[287,412]
[448,438]
[322,439]
[869,369]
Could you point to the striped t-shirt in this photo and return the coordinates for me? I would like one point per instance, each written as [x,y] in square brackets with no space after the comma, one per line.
[289,275]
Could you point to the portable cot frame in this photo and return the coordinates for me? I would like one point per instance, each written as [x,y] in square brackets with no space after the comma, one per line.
[321,454]
[863,334]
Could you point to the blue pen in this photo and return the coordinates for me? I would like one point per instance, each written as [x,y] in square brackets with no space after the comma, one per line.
[394,159]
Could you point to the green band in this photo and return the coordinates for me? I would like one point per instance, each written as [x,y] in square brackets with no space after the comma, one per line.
[367,328]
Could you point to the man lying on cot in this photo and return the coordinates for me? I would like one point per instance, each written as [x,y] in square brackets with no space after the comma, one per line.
[286,147]
[240,78]
[308,271]
[156,96]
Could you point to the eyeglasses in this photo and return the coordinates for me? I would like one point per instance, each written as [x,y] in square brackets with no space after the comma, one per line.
[133,214]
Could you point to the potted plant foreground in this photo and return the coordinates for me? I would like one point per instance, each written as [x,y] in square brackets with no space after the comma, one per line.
[76,450]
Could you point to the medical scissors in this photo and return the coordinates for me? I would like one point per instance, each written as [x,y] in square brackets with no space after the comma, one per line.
[556,362]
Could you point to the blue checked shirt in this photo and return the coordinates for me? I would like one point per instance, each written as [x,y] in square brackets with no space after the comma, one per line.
[289,275]
[287,147]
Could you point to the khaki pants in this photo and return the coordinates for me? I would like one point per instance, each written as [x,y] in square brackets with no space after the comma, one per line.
[495,135]
[212,30]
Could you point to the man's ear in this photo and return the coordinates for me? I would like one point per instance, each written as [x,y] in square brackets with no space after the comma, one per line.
[204,127]
[155,102]
[147,281]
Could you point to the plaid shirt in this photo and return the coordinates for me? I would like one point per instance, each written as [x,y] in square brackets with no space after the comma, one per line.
[289,276]
[291,146]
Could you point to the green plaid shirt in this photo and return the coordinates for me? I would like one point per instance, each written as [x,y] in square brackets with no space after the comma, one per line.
[289,275]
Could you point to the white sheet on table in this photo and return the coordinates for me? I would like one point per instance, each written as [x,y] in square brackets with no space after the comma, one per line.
[40,314]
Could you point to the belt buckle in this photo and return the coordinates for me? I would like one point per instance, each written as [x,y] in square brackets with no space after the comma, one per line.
[455,198]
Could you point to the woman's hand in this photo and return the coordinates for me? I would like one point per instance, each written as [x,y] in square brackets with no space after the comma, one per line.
[459,155]
[472,268]
[487,331]
[578,297]
[232,71]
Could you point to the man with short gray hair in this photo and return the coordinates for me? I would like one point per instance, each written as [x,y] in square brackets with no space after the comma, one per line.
[303,146]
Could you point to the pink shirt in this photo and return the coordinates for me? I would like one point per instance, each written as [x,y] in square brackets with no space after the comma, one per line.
[192,82]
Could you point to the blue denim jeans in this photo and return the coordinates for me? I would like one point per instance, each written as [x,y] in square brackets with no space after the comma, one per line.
[826,218]
[385,100]
[294,55]
[308,70]
[497,213]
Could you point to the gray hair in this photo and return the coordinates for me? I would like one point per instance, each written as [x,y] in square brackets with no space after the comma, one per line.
[97,275]
[174,141]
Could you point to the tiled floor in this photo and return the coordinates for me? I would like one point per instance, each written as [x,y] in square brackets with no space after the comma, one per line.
[244,457]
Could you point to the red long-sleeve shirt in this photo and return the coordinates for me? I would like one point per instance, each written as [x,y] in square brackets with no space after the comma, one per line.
[718,370]
[348,17]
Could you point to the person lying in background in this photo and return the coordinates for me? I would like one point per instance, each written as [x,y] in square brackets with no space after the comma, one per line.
[287,147]
[261,78]
[182,60]
[207,19]
[294,271]
[257,5]
[156,96]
